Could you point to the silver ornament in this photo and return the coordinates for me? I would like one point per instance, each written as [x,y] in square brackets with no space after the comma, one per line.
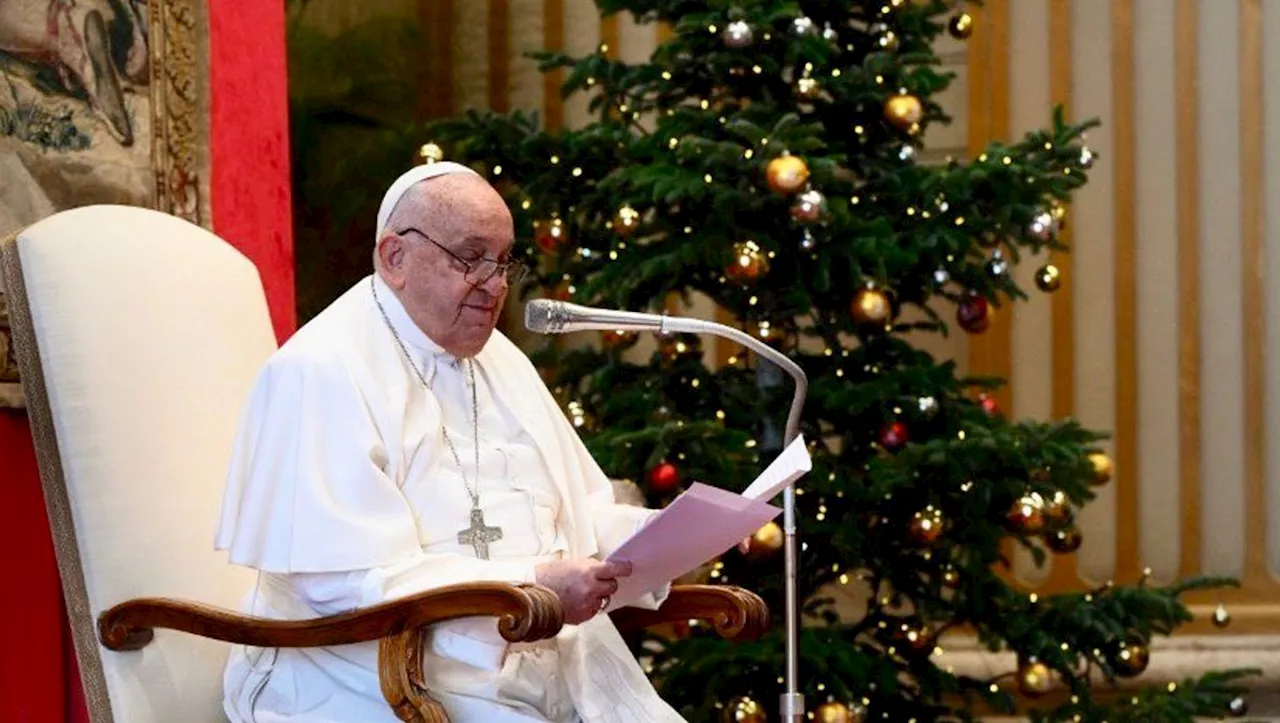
[803,25]
[928,406]
[738,34]
[829,33]
[808,242]
[809,207]
[907,153]
[1086,157]
[1042,228]
[997,265]
[1238,707]
[941,277]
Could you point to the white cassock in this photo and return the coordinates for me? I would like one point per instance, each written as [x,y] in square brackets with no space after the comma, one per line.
[344,494]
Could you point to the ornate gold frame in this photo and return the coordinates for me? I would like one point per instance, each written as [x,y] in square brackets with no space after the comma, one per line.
[179,50]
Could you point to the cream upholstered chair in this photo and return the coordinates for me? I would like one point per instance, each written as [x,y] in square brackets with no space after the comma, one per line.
[138,336]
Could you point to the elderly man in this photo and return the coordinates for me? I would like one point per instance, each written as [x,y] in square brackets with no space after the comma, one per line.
[397,443]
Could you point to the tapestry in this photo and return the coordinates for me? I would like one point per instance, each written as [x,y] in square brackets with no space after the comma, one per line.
[101,101]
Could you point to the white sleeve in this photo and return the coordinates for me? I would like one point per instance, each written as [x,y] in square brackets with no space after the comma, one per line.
[330,593]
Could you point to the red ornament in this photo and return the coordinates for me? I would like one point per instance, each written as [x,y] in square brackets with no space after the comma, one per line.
[989,404]
[894,436]
[549,235]
[664,477]
[974,314]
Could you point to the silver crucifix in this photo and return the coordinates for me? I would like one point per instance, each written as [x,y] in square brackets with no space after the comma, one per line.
[479,535]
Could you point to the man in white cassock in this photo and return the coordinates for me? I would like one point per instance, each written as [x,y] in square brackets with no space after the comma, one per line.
[397,443]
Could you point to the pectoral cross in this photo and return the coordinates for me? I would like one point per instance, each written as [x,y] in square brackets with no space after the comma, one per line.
[479,535]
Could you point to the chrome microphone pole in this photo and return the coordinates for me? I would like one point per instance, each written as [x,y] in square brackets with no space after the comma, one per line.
[556,317]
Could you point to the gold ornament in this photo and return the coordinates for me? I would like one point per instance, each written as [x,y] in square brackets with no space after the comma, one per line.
[1131,659]
[807,88]
[626,221]
[1221,618]
[834,712]
[766,540]
[578,415]
[1034,678]
[915,636]
[549,235]
[749,262]
[1048,278]
[1026,515]
[786,174]
[951,578]
[903,111]
[1102,468]
[744,710]
[1064,541]
[926,526]
[961,26]
[428,153]
[871,307]
[1057,511]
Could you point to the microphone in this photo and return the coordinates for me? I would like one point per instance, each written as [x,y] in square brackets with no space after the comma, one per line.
[547,316]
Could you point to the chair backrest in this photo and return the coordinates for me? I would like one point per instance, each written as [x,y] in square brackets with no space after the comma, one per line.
[138,336]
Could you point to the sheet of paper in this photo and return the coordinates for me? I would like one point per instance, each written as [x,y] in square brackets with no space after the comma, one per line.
[785,469]
[702,523]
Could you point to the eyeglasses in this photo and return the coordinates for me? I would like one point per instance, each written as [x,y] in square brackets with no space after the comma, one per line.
[479,271]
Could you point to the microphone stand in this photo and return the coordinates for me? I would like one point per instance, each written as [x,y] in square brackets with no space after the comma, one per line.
[792,702]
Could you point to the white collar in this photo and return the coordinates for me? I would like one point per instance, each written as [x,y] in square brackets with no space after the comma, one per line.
[415,339]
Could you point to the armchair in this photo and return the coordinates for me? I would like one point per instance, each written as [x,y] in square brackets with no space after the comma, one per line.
[138,336]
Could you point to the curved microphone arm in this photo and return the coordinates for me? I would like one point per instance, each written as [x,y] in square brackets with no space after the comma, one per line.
[546,316]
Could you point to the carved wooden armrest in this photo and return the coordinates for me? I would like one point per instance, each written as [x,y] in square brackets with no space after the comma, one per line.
[736,613]
[525,613]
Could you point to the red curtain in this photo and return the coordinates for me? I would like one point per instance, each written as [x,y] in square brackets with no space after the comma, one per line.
[39,682]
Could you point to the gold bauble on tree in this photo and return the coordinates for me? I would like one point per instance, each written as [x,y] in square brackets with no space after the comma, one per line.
[744,710]
[786,174]
[1026,515]
[766,540]
[961,26]
[903,111]
[836,712]
[1034,678]
[1057,511]
[428,153]
[1048,278]
[1064,541]
[926,526]
[749,262]
[1131,659]
[871,307]
[626,221]
[1102,468]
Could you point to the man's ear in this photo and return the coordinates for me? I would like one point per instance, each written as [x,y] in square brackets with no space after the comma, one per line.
[392,259]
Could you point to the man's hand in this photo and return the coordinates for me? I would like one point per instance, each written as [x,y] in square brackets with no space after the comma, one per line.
[584,586]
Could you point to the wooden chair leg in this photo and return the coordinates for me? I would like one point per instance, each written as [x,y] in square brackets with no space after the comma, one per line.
[403,685]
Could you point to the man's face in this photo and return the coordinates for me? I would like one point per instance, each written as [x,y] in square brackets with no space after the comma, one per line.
[446,277]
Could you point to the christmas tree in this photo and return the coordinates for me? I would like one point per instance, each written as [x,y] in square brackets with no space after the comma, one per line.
[767,156]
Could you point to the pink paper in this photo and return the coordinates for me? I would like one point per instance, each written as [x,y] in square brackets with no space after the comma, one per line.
[702,523]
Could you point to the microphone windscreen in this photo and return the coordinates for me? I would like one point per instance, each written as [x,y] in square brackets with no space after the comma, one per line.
[538,316]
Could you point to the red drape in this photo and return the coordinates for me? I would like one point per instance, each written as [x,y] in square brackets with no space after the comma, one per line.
[251,209]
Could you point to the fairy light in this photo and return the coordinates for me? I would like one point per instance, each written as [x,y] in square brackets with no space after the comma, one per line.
[526,204]
[555,160]
[577,171]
